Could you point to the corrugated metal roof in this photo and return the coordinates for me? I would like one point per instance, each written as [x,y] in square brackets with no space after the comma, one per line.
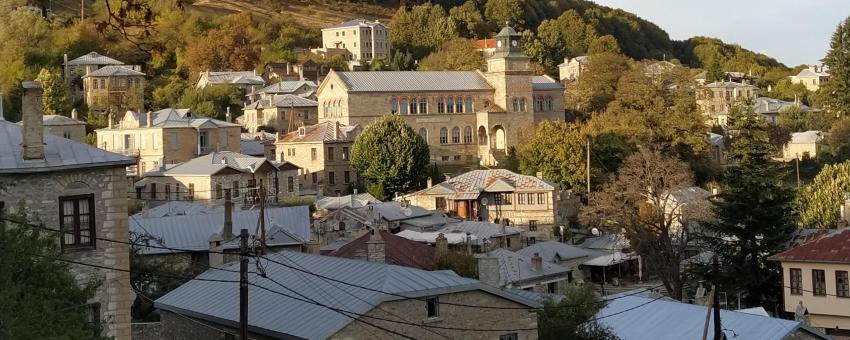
[193,231]
[287,86]
[93,58]
[59,153]
[831,246]
[482,230]
[171,117]
[215,162]
[728,84]
[764,105]
[236,77]
[516,268]
[279,316]
[412,81]
[322,132]
[284,101]
[552,250]
[115,71]
[672,320]
[545,83]
[178,208]
[56,120]
[350,201]
[354,23]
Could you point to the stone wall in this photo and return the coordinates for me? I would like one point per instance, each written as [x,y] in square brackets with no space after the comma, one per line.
[180,327]
[147,331]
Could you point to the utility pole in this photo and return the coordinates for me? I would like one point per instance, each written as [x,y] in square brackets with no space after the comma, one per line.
[243,284]
[708,313]
[262,219]
[718,331]
[797,160]
[587,146]
[82,10]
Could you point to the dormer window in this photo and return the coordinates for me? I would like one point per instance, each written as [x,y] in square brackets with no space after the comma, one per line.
[301,131]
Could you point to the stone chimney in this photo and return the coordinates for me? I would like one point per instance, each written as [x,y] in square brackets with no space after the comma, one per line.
[227,229]
[536,262]
[539,174]
[66,68]
[149,119]
[442,245]
[216,258]
[489,271]
[312,247]
[375,247]
[502,227]
[33,124]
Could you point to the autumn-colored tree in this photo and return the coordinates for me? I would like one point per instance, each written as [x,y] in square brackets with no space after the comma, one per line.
[456,55]
[556,150]
[597,85]
[225,48]
[603,44]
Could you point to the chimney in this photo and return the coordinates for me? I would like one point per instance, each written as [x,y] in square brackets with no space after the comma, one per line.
[536,262]
[312,247]
[375,247]
[227,116]
[502,227]
[149,119]
[65,68]
[227,230]
[430,182]
[109,124]
[715,191]
[33,125]
[469,243]
[74,114]
[539,175]
[336,130]
[489,271]
[216,258]
[442,245]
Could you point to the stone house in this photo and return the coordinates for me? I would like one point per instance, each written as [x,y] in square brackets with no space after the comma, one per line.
[715,100]
[363,39]
[283,113]
[396,217]
[495,195]
[167,136]
[301,88]
[803,145]
[65,127]
[562,254]
[78,67]
[322,151]
[248,81]
[207,177]
[466,117]
[507,269]
[571,69]
[414,303]
[81,190]
[815,282]
[812,77]
[114,89]
[286,71]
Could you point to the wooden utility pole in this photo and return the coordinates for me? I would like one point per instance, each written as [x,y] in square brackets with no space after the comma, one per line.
[243,284]
[797,160]
[587,146]
[708,314]
[718,330]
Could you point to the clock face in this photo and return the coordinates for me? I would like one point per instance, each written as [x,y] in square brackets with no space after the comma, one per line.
[513,43]
[499,43]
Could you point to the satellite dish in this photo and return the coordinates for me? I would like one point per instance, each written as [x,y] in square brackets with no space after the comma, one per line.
[594,231]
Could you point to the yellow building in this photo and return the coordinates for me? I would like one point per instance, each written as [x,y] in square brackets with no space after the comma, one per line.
[715,100]
[167,136]
[283,113]
[114,88]
[363,40]
[322,152]
[812,77]
[466,117]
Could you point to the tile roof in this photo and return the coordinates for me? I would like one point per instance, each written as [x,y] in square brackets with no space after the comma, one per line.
[93,58]
[398,250]
[355,23]
[552,250]
[193,231]
[545,83]
[833,247]
[115,71]
[485,44]
[59,153]
[284,101]
[322,132]
[516,268]
[279,316]
[808,137]
[481,230]
[412,81]
[494,179]
[672,320]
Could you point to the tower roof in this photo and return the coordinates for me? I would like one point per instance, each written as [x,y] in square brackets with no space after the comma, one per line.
[507,31]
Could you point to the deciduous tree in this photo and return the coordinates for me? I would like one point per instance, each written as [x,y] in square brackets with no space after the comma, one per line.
[455,55]
[597,85]
[556,150]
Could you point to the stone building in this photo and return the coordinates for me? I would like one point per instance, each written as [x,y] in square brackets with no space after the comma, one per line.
[81,190]
[283,113]
[114,89]
[507,269]
[812,77]
[466,117]
[167,136]
[322,152]
[245,80]
[287,71]
[78,67]
[803,145]
[416,303]
[363,39]
[65,127]
[715,100]
[571,69]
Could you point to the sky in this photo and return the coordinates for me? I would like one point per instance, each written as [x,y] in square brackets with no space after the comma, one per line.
[792,31]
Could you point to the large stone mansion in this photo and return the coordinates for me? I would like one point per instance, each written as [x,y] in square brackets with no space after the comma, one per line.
[465,116]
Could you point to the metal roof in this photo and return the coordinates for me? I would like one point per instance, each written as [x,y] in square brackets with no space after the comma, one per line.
[808,137]
[214,162]
[413,81]
[482,230]
[350,201]
[171,117]
[193,231]
[178,208]
[672,320]
[728,84]
[397,250]
[431,237]
[281,100]
[550,250]
[355,23]
[764,105]
[115,71]
[287,86]
[516,268]
[233,77]
[279,316]
[93,58]
[322,132]
[59,153]
[545,83]
[831,246]
[55,120]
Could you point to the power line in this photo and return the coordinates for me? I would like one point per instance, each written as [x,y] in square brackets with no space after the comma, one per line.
[189,318]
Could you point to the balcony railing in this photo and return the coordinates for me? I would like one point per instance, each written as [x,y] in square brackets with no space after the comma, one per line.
[125,152]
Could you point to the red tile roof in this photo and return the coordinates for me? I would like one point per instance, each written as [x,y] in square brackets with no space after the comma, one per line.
[398,250]
[485,43]
[833,247]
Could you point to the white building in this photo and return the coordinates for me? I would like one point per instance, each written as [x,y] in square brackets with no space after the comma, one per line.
[363,39]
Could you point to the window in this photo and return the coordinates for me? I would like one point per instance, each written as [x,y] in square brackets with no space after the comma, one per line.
[444,135]
[315,178]
[467,135]
[532,225]
[530,198]
[432,307]
[219,192]
[509,336]
[313,154]
[497,199]
[330,153]
[444,158]
[515,105]
[507,198]
[77,221]
[552,287]
[456,135]
[402,105]
[191,191]
[450,105]
[423,106]
[290,184]
[522,105]
[203,139]
[549,103]
[441,105]
[842,289]
[440,203]
[345,153]
[414,106]
[346,177]
[456,157]
[153,191]
[93,316]
[469,104]
[235,188]
[423,132]
[541,198]
[168,191]
[459,105]
[331,178]
[128,142]
[818,282]
[538,103]
[520,198]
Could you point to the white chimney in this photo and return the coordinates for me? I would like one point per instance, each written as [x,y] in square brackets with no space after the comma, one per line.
[109,124]
[227,116]
[74,114]
[149,119]
[32,121]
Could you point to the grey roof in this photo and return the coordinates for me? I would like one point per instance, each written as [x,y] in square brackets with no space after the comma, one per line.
[328,131]
[808,137]
[278,316]
[233,77]
[728,84]
[672,320]
[59,153]
[408,81]
[56,120]
[516,269]
[93,58]
[115,71]
[545,83]
[393,211]
[355,23]
[252,147]
[171,117]
[552,250]
[492,180]
[287,86]
[764,105]
[607,242]
[350,201]
[507,31]
[192,232]
[284,101]
[179,208]
[482,230]
[689,194]
[275,237]
[216,161]
[809,73]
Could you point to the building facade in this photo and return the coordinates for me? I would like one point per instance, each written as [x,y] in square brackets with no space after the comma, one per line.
[283,113]
[65,127]
[466,117]
[812,77]
[114,89]
[715,100]
[167,136]
[363,39]
[571,69]
[80,190]
[322,151]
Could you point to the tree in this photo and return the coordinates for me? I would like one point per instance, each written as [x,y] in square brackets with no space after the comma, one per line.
[834,95]
[788,91]
[55,97]
[604,44]
[597,85]
[753,214]
[378,64]
[505,12]
[455,55]
[641,201]
[173,271]
[819,202]
[565,37]
[391,156]
[41,296]
[229,47]
[795,119]
[836,146]
[337,63]
[459,262]
[468,20]
[570,318]
[211,101]
[557,151]
[422,29]
[402,61]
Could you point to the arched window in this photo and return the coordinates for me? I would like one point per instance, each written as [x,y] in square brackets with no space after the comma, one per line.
[414,106]
[538,103]
[403,106]
[459,105]
[394,106]
[450,105]
[469,105]
[441,105]
[444,135]
[467,135]
[482,135]
[423,132]
[522,105]
[456,135]
[549,103]
[515,105]
[423,105]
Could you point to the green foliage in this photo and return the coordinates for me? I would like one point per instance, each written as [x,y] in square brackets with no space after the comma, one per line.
[571,317]
[818,203]
[788,91]
[604,44]
[391,156]
[55,97]
[378,64]
[41,297]
[565,37]
[458,261]
[597,85]
[168,94]
[211,101]
[793,119]
[557,150]
[505,12]
[229,47]
[422,29]
[711,53]
[456,55]
[468,20]
[402,61]
[834,96]
[337,63]
[836,146]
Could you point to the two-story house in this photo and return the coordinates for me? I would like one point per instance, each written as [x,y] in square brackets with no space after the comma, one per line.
[282,113]
[82,192]
[715,100]
[114,88]
[816,283]
[79,66]
[571,69]
[812,77]
[322,151]
[167,136]
[301,88]
[363,39]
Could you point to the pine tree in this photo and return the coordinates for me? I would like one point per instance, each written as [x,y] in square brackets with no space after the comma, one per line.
[753,215]
[835,94]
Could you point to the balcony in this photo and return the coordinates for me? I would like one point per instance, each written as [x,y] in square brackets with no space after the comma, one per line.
[125,152]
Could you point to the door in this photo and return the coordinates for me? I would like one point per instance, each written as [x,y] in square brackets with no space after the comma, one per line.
[500,138]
